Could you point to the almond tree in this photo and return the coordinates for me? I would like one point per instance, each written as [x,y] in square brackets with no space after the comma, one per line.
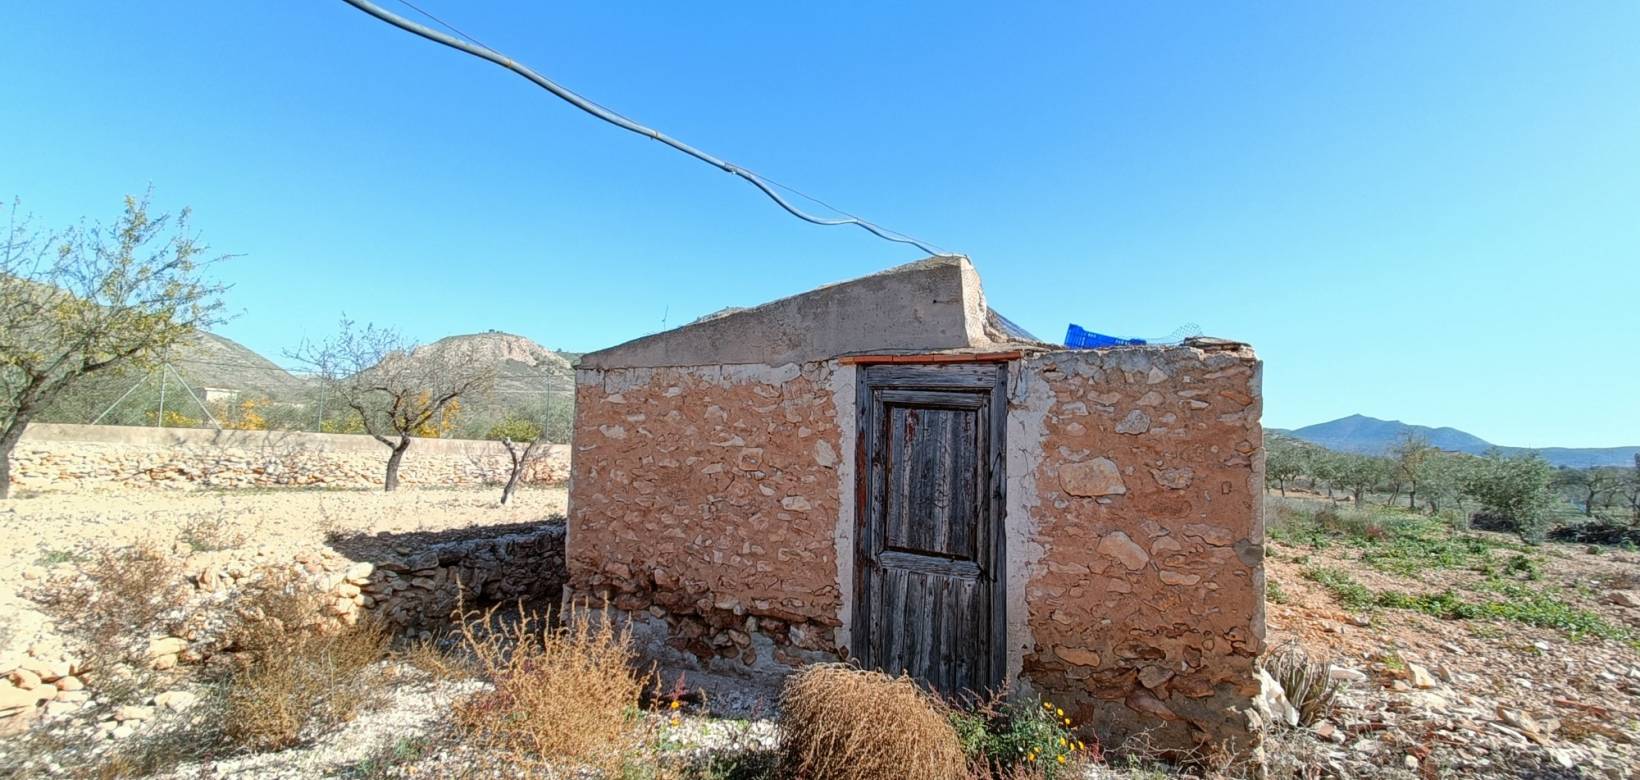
[397,389]
[93,300]
[523,440]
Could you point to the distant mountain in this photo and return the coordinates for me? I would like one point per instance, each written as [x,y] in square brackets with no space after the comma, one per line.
[521,365]
[1370,435]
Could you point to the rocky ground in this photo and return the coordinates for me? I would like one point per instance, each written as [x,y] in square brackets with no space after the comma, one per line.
[1544,683]
[1460,654]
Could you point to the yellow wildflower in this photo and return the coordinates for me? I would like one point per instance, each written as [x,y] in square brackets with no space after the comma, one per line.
[676,704]
[1061,759]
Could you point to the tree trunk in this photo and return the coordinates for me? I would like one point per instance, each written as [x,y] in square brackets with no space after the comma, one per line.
[1283,485]
[8,442]
[1412,500]
[512,484]
[5,473]
[392,482]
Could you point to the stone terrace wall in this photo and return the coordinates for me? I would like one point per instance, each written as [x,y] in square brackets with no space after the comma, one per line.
[705,506]
[76,457]
[1145,600]
[410,582]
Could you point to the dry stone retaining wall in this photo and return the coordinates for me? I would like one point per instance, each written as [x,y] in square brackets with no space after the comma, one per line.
[413,588]
[76,457]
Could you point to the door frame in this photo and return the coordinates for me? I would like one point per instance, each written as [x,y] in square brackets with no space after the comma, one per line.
[977,376]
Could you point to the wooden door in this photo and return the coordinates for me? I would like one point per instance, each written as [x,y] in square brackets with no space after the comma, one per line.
[929,547]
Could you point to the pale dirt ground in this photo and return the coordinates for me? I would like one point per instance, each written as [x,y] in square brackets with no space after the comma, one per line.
[42,528]
[44,533]
[1583,695]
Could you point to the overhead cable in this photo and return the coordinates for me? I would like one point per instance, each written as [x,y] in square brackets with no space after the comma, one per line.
[467,44]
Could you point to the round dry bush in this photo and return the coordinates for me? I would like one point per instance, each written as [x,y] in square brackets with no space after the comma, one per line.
[841,723]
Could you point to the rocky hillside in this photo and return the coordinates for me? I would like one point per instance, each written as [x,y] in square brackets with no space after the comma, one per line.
[1372,436]
[210,360]
[522,366]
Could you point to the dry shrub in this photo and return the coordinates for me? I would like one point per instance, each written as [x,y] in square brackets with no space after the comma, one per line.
[212,531]
[1307,682]
[566,695]
[842,723]
[298,672]
[120,596]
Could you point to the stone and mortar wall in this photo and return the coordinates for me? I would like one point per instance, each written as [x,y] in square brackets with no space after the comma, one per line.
[1135,529]
[77,457]
[704,507]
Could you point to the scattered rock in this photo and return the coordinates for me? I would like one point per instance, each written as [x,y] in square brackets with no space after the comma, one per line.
[176,701]
[163,646]
[1624,598]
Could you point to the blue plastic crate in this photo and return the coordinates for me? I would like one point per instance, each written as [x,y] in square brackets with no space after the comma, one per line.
[1077,338]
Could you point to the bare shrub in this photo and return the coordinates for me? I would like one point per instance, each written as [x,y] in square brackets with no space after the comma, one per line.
[298,673]
[212,531]
[121,596]
[1307,682]
[566,695]
[843,723]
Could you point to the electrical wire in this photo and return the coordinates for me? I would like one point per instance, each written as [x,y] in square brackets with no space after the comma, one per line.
[469,45]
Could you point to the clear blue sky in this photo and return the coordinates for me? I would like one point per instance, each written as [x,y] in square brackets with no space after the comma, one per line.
[1420,211]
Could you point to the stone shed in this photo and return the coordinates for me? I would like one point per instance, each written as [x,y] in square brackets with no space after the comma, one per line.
[889,471]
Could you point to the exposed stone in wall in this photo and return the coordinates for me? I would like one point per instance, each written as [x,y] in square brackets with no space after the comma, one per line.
[155,457]
[1146,605]
[704,505]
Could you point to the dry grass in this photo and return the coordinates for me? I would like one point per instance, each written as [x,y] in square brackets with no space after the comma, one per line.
[566,696]
[842,723]
[425,655]
[298,675]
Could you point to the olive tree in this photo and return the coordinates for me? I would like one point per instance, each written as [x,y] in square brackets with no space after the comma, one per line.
[1284,461]
[1515,489]
[1360,474]
[1411,454]
[93,300]
[395,389]
[1590,486]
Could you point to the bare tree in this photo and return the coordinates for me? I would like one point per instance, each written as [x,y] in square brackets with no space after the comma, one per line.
[524,441]
[93,300]
[398,390]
